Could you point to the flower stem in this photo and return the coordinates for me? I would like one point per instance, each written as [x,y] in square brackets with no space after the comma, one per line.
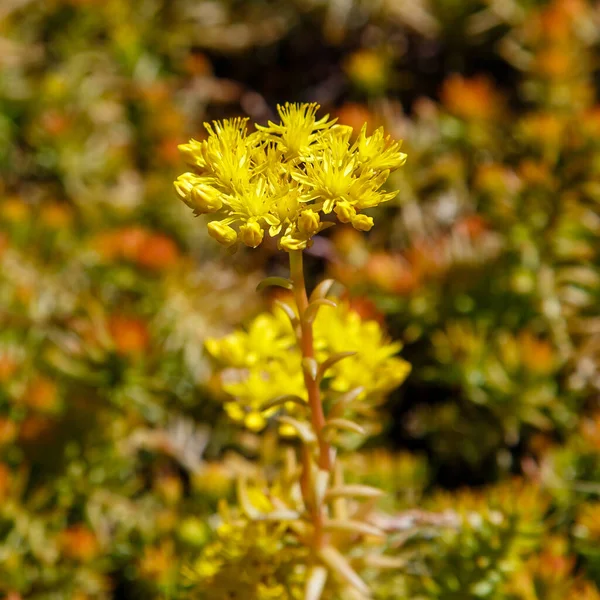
[312,387]
[308,351]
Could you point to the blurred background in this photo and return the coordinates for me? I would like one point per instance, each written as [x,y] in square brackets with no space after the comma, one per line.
[113,448]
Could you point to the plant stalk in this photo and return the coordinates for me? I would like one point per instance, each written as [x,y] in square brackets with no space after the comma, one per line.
[312,387]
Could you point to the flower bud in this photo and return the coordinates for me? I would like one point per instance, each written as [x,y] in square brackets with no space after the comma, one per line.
[201,197]
[362,222]
[309,222]
[193,531]
[192,153]
[205,199]
[184,184]
[224,234]
[292,242]
[251,234]
[345,211]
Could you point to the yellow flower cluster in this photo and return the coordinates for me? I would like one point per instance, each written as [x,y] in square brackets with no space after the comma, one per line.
[285,176]
[250,559]
[264,362]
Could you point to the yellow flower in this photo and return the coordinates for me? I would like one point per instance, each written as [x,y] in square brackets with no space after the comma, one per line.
[251,560]
[374,367]
[299,128]
[264,362]
[280,178]
[377,152]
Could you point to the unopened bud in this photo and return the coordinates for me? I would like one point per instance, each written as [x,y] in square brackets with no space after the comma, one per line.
[251,234]
[205,199]
[184,184]
[200,196]
[291,242]
[345,211]
[224,234]
[362,222]
[309,222]
[192,153]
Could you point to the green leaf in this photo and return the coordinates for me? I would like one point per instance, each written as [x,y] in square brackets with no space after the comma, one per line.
[380,561]
[332,360]
[321,484]
[350,526]
[313,308]
[280,400]
[288,310]
[346,425]
[304,431]
[354,491]
[275,282]
[317,577]
[344,400]
[322,289]
[338,564]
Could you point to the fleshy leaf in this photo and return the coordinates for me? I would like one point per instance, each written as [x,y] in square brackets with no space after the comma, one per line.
[355,491]
[332,360]
[313,308]
[338,564]
[346,425]
[322,289]
[321,483]
[315,583]
[344,400]
[350,526]
[275,282]
[280,400]
[287,309]
[304,431]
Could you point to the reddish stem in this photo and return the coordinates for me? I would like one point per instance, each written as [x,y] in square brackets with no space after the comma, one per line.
[314,394]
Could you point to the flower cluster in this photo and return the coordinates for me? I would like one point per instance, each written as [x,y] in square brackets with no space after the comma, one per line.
[284,177]
[249,559]
[264,362]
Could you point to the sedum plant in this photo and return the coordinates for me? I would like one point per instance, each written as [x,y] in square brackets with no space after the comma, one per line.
[311,368]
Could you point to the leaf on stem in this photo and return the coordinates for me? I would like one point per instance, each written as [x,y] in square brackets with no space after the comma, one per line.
[317,577]
[304,431]
[321,484]
[350,526]
[322,289]
[275,282]
[385,562]
[311,367]
[281,400]
[346,425]
[313,308]
[355,491]
[339,565]
[332,360]
[344,400]
[288,310]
